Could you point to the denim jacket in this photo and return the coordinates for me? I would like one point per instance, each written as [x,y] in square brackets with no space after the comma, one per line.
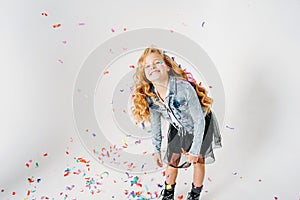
[184,104]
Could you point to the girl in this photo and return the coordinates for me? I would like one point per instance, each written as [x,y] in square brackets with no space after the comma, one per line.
[162,88]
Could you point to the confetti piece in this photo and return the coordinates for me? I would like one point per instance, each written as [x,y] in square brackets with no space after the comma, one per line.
[106,72]
[235,173]
[229,127]
[2,190]
[121,90]
[275,198]
[36,164]
[202,24]
[132,66]
[94,134]
[61,62]
[180,197]
[45,154]
[210,86]
[124,29]
[81,24]
[112,30]
[56,25]
[104,174]
[13,193]
[64,42]
[171,31]
[209,179]
[44,14]
[27,165]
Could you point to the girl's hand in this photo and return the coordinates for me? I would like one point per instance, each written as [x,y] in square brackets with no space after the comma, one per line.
[190,158]
[157,158]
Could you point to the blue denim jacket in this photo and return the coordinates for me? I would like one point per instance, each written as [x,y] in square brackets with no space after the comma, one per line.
[184,104]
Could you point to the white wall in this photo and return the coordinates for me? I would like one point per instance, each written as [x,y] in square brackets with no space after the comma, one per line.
[254,45]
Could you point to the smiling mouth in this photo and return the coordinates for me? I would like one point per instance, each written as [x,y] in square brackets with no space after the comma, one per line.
[153,72]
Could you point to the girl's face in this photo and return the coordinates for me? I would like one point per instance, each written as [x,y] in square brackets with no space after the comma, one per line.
[155,69]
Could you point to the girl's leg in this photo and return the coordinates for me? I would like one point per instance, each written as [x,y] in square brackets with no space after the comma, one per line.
[171,174]
[199,173]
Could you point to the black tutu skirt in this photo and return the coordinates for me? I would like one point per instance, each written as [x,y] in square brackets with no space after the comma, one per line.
[180,141]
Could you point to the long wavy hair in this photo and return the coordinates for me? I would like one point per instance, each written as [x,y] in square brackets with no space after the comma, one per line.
[142,86]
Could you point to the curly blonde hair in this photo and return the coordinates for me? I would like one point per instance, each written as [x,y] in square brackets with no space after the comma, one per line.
[142,86]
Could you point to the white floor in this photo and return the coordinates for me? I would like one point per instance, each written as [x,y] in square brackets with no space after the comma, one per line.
[255,46]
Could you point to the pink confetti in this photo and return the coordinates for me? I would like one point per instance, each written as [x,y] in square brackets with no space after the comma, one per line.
[81,24]
[209,179]
[61,62]
[112,30]
[124,29]
[64,42]
[106,72]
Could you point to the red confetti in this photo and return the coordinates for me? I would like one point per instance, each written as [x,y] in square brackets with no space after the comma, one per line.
[44,14]
[210,86]
[106,72]
[132,66]
[27,165]
[28,192]
[13,193]
[45,154]
[56,25]
[66,174]
[180,197]
[124,29]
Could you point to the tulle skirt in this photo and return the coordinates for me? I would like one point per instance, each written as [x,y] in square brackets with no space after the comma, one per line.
[180,141]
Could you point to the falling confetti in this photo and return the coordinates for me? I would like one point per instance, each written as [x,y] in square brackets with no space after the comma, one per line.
[64,42]
[112,30]
[229,127]
[44,14]
[81,24]
[61,62]
[56,25]
[106,72]
[132,66]
[124,29]
[202,24]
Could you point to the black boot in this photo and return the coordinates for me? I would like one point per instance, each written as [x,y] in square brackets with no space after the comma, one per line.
[194,194]
[168,192]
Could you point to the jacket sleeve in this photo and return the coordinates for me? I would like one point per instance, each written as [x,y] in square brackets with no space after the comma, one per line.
[155,118]
[197,115]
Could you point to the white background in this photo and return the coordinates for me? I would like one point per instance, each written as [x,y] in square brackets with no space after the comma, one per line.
[255,46]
